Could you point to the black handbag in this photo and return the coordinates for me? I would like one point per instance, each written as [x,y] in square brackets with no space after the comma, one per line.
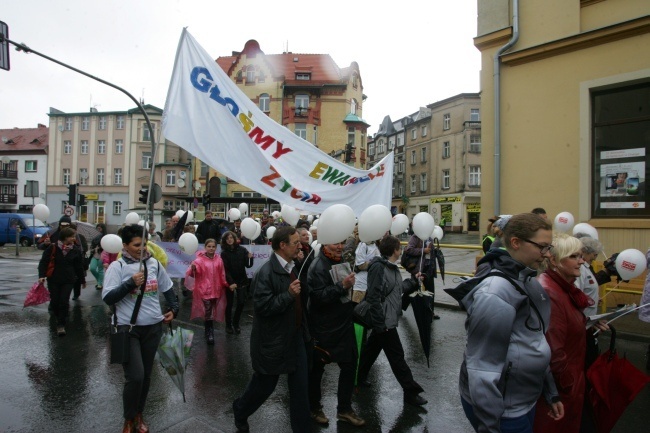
[361,314]
[120,337]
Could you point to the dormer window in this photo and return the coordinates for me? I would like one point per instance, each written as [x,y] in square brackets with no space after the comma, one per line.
[303,76]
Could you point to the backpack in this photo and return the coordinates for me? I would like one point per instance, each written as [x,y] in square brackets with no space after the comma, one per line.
[409,262]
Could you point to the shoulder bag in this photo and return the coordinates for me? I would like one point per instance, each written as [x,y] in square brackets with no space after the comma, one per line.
[120,338]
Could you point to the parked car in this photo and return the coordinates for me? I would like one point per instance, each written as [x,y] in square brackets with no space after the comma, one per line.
[30,228]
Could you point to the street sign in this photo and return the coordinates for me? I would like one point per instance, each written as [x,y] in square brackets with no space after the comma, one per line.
[69,211]
[4,46]
[92,196]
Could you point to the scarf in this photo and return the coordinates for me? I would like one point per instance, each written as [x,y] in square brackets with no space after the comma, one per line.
[146,255]
[65,249]
[577,296]
[330,256]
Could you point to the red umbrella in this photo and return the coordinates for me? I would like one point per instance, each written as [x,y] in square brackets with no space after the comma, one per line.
[37,295]
[615,382]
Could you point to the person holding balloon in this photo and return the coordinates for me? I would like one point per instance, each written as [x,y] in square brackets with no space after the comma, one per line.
[421,248]
[236,259]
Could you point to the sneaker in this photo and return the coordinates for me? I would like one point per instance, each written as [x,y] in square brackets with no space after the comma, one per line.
[99,287]
[351,418]
[415,399]
[60,331]
[436,317]
[74,298]
[319,417]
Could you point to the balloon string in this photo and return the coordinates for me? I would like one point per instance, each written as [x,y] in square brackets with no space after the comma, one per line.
[304,263]
[611,290]
[624,314]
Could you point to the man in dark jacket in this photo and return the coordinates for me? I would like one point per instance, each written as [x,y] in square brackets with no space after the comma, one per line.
[279,335]
[330,319]
[208,229]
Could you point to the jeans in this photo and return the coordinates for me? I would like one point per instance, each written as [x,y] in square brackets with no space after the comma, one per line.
[137,372]
[60,300]
[520,424]
[345,388]
[97,269]
[262,386]
[241,299]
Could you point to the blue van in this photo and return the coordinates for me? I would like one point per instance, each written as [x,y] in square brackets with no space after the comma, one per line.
[30,228]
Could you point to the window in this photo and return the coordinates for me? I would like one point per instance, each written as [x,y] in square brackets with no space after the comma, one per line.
[423,181]
[250,74]
[265,102]
[423,156]
[413,183]
[619,150]
[423,132]
[371,149]
[391,143]
[446,149]
[168,205]
[474,175]
[119,146]
[180,204]
[400,141]
[380,147]
[146,135]
[100,176]
[170,177]
[413,157]
[303,76]
[31,165]
[475,115]
[204,169]
[66,176]
[68,124]
[302,101]
[117,208]
[146,160]
[475,143]
[301,130]
[83,176]
[101,147]
[351,134]
[84,147]
[119,122]
[414,134]
[246,194]
[353,106]
[446,121]
[445,179]
[102,122]
[100,212]
[400,189]
[67,147]
[85,123]
[400,166]
[117,176]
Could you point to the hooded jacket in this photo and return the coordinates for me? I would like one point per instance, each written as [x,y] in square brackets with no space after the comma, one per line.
[506,361]
[209,277]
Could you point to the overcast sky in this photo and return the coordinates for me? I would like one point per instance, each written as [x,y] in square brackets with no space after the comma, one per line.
[410,53]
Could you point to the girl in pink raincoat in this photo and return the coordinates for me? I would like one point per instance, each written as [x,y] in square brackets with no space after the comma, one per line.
[208,300]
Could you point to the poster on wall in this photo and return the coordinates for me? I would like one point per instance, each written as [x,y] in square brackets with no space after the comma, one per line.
[622,184]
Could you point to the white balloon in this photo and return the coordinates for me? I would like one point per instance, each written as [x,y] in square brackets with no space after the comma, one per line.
[423,225]
[290,214]
[243,209]
[258,231]
[315,223]
[111,244]
[132,218]
[630,263]
[234,214]
[141,223]
[563,222]
[316,246]
[310,218]
[587,229]
[188,243]
[438,233]
[190,216]
[248,227]
[336,224]
[400,223]
[179,213]
[41,212]
[311,238]
[269,232]
[374,222]
[276,214]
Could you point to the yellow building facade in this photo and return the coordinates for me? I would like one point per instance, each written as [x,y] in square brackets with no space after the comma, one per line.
[573,113]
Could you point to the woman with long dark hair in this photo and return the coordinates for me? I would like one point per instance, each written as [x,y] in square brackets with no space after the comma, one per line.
[236,259]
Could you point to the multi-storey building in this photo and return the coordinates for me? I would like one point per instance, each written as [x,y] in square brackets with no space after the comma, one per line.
[390,138]
[307,93]
[23,163]
[572,118]
[109,155]
[441,161]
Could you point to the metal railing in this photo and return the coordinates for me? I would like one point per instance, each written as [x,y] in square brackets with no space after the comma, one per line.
[458,247]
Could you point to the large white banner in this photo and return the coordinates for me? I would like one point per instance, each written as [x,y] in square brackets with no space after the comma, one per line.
[206,114]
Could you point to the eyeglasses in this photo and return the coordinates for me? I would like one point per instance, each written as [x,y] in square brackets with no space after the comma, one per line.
[543,249]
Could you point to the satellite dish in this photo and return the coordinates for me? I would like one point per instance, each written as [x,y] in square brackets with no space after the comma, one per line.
[180,183]
[197,185]
[60,128]
[182,174]
[42,195]
[84,175]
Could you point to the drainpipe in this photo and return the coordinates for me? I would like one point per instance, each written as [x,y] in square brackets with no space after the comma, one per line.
[497,106]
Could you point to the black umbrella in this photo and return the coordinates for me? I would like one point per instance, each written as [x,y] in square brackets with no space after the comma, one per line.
[439,257]
[177,231]
[422,304]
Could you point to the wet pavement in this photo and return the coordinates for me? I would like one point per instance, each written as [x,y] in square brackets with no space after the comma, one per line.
[53,384]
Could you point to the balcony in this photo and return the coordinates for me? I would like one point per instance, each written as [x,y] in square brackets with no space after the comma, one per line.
[8,198]
[472,124]
[9,174]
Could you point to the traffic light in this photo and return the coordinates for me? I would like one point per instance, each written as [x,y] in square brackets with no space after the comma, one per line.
[144,193]
[349,152]
[82,200]
[206,200]
[72,194]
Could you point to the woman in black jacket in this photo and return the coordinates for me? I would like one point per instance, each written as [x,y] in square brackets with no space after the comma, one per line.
[62,265]
[235,260]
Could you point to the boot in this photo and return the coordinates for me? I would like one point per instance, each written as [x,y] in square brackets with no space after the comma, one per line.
[140,426]
[128,426]
[209,332]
